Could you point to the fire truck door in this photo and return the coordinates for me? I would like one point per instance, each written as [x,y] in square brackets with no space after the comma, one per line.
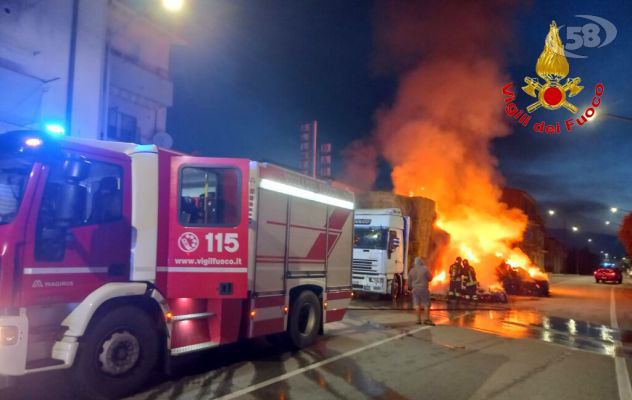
[63,261]
[208,229]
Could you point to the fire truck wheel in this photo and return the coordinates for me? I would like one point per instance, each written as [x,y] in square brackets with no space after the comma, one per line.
[304,320]
[117,355]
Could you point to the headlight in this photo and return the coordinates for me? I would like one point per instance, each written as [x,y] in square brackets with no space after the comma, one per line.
[9,335]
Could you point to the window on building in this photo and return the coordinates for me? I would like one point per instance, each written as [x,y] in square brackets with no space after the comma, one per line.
[122,127]
[209,196]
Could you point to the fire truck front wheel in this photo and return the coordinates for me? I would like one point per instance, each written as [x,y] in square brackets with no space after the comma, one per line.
[304,320]
[117,355]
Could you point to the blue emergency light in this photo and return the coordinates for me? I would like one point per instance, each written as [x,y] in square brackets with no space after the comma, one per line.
[55,129]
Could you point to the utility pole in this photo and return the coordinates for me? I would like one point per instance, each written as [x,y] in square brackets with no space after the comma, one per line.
[72,58]
[309,148]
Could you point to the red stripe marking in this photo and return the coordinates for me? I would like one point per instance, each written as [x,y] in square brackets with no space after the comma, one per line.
[311,228]
[318,248]
[291,262]
[267,327]
[269,301]
[338,295]
[336,315]
[283,258]
[307,262]
[338,218]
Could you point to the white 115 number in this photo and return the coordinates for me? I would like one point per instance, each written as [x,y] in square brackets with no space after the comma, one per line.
[221,242]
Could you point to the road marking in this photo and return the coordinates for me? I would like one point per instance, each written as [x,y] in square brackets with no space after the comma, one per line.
[620,366]
[319,364]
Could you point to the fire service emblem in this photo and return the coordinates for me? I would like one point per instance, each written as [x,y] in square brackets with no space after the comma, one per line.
[552,66]
[552,93]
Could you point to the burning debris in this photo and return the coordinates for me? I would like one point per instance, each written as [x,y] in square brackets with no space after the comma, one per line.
[518,281]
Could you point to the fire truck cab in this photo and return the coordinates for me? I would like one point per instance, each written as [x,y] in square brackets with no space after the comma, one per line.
[115,257]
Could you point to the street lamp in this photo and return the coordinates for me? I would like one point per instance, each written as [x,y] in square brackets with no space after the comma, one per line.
[589,240]
[173,5]
[575,228]
[551,212]
[607,222]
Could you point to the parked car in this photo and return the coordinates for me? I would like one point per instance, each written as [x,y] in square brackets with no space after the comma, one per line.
[608,275]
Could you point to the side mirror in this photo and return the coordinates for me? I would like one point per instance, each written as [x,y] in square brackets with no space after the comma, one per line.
[393,242]
[69,205]
[70,198]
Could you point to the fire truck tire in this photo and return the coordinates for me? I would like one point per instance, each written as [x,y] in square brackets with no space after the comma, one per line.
[304,320]
[117,355]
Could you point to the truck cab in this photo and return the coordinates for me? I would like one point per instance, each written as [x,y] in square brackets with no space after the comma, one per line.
[380,250]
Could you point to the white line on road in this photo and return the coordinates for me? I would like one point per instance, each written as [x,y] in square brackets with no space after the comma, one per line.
[620,366]
[319,364]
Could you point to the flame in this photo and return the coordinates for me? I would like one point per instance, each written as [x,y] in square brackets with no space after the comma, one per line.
[439,280]
[552,65]
[438,130]
[437,135]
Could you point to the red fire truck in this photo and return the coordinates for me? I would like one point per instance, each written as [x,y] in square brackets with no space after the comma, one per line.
[116,257]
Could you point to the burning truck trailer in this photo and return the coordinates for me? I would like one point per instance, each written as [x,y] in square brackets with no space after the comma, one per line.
[425,238]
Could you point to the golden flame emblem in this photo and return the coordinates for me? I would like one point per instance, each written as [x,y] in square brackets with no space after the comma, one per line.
[552,66]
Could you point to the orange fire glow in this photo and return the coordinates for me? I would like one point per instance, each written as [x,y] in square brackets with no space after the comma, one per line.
[437,135]
[439,280]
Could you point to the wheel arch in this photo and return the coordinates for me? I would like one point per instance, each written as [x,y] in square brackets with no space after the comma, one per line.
[111,296]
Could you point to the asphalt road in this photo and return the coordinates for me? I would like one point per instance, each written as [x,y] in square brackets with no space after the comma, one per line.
[576,345]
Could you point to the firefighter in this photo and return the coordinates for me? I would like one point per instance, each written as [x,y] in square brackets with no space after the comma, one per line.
[469,285]
[455,279]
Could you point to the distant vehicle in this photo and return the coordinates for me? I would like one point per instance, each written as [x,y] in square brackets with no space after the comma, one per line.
[609,275]
[380,251]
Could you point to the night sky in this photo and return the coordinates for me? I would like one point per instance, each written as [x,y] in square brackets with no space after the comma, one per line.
[253,71]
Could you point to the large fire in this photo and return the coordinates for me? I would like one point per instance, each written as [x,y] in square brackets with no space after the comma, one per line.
[438,131]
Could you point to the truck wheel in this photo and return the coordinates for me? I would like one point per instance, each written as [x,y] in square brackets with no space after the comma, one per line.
[396,288]
[117,355]
[304,320]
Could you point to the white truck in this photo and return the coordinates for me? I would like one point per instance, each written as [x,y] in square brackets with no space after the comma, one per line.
[380,251]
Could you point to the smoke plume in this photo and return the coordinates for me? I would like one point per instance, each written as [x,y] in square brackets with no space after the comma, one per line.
[449,107]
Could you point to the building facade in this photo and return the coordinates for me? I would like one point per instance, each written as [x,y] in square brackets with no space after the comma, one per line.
[555,257]
[533,238]
[97,68]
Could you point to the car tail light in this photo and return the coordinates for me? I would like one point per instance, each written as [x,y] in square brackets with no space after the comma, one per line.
[9,335]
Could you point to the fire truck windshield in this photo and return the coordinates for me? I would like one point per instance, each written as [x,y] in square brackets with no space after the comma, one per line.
[370,238]
[14,172]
